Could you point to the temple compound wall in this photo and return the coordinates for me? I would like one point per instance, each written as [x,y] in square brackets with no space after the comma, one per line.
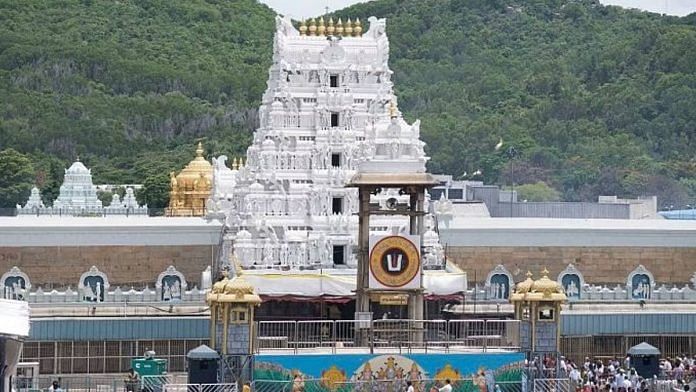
[138,266]
[131,251]
[606,251]
[600,265]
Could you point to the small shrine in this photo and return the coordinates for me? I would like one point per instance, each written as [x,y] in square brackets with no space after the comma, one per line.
[190,189]
[78,196]
[77,190]
[232,303]
[538,307]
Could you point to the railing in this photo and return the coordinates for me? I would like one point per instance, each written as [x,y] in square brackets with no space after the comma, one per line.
[394,385]
[407,335]
[97,383]
[551,385]
[199,388]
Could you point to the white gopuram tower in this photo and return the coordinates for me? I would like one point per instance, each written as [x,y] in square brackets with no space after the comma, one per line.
[328,108]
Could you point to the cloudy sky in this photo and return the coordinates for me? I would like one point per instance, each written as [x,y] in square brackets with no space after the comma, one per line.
[306,8]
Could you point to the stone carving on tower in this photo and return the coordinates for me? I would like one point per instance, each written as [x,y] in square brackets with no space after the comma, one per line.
[190,189]
[329,108]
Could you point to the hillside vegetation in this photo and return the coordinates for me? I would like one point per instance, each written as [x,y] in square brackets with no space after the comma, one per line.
[595,100]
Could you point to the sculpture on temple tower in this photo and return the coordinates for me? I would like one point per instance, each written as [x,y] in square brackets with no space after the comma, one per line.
[190,189]
[329,107]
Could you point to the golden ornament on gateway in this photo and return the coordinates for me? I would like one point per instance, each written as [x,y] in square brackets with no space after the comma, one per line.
[321,28]
[190,189]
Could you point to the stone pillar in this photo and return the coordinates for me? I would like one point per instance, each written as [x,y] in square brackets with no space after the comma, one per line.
[362,303]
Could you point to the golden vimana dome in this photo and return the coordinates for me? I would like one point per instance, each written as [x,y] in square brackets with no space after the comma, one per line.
[544,284]
[192,172]
[236,289]
[190,189]
[318,28]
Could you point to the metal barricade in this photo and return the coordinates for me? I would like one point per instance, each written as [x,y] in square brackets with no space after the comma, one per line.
[435,335]
[276,334]
[344,333]
[391,333]
[439,335]
[467,333]
[313,334]
[502,333]
[199,388]
[76,383]
[551,385]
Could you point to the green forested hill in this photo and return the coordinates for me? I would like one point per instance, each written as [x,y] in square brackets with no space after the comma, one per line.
[597,100]
[129,85]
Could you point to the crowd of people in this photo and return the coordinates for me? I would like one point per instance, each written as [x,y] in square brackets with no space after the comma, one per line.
[619,375]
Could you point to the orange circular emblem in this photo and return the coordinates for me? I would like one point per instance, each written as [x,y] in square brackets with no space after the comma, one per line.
[394,261]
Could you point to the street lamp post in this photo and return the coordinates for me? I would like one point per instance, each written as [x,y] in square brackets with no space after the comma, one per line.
[512,153]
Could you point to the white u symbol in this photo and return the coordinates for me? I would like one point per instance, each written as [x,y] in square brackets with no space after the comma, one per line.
[391,267]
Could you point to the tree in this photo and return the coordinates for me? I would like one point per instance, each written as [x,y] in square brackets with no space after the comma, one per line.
[537,192]
[105,197]
[155,191]
[16,178]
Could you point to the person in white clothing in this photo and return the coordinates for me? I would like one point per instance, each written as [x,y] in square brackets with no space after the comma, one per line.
[447,387]
[409,384]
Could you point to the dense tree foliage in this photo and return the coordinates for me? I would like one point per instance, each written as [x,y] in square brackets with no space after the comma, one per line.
[537,192]
[16,178]
[597,100]
[155,191]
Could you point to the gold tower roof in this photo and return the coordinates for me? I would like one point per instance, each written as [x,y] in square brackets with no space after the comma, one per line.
[237,290]
[545,284]
[195,168]
[542,289]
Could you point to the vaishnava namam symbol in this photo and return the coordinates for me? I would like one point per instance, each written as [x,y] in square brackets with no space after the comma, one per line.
[394,261]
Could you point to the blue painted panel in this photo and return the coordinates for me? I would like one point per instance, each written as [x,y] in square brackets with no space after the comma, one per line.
[395,367]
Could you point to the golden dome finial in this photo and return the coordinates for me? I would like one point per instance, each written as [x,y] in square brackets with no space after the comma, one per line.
[529,274]
[303,27]
[313,27]
[199,150]
[357,28]
[321,29]
[330,29]
[339,27]
[545,272]
[348,28]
